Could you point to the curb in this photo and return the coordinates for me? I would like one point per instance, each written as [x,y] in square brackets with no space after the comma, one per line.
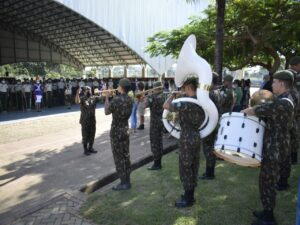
[96,185]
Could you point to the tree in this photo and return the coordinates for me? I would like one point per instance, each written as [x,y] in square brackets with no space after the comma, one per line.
[255,33]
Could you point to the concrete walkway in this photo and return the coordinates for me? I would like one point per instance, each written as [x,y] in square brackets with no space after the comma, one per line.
[40,176]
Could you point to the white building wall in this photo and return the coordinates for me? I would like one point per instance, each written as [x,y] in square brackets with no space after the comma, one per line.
[133,21]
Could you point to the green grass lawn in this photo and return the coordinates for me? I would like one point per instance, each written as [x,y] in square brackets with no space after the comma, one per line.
[227,200]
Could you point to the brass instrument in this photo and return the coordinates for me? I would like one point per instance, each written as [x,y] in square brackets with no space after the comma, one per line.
[113,92]
[148,92]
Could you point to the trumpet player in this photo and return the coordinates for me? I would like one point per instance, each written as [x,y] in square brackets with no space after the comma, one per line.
[191,116]
[120,108]
[87,118]
[155,102]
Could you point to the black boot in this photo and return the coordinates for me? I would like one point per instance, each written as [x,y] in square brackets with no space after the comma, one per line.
[186,200]
[209,174]
[124,185]
[91,149]
[294,157]
[141,127]
[258,214]
[267,218]
[85,149]
[282,184]
[156,165]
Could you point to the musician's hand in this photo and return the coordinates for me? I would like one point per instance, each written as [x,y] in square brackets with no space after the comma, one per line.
[249,111]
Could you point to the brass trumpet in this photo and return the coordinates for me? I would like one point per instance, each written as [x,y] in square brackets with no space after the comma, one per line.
[112,92]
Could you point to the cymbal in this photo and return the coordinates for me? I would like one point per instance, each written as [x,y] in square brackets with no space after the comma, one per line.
[261,96]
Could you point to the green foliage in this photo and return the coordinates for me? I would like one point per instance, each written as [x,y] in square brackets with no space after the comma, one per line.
[47,70]
[255,33]
[227,200]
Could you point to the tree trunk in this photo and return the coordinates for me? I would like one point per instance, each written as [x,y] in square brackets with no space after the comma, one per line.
[219,37]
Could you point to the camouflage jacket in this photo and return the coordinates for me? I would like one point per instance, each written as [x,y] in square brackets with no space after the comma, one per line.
[227,98]
[215,96]
[87,108]
[191,116]
[155,103]
[120,107]
[295,92]
[278,116]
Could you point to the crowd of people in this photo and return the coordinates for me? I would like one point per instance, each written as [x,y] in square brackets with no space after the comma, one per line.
[17,95]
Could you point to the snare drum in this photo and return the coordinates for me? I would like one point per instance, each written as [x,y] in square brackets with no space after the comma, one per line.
[240,139]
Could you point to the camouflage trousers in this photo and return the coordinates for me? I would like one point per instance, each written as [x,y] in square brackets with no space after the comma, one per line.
[189,157]
[208,149]
[120,149]
[285,159]
[295,135]
[156,129]
[88,131]
[267,180]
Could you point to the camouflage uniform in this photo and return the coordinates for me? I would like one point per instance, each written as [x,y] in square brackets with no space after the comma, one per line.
[278,116]
[227,98]
[295,138]
[155,102]
[208,142]
[120,107]
[88,119]
[191,116]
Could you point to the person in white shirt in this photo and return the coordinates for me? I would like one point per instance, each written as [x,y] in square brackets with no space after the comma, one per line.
[27,89]
[61,91]
[49,93]
[3,95]
[19,95]
[81,83]
[68,95]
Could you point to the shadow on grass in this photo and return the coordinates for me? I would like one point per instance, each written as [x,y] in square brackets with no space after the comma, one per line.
[227,200]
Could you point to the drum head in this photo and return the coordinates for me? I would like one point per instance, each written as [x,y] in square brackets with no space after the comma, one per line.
[237,158]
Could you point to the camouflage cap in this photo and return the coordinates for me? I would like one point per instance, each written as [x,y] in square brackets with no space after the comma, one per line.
[124,82]
[228,78]
[284,75]
[157,84]
[295,60]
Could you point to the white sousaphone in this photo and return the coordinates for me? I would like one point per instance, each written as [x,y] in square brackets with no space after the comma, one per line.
[190,63]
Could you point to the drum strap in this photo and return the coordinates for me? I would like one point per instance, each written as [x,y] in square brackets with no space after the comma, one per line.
[289,100]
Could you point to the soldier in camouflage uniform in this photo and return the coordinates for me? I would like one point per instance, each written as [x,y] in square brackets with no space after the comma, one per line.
[191,116]
[120,108]
[227,95]
[208,142]
[278,116]
[295,144]
[87,118]
[155,103]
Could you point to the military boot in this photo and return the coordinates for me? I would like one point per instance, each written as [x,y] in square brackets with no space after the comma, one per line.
[124,185]
[294,158]
[282,184]
[85,149]
[141,127]
[267,218]
[91,149]
[209,174]
[186,200]
[156,165]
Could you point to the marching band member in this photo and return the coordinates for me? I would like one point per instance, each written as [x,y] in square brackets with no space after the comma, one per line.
[87,118]
[191,116]
[155,103]
[120,107]
[208,142]
[295,145]
[278,116]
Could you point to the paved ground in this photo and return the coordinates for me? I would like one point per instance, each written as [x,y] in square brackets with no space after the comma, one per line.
[42,165]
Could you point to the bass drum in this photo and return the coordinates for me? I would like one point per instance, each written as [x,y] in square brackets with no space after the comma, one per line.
[240,139]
